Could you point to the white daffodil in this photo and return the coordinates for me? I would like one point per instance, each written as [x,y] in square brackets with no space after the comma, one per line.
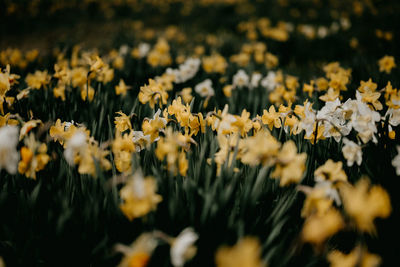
[330,191]
[269,82]
[255,80]
[352,152]
[307,124]
[204,88]
[144,49]
[240,79]
[8,148]
[394,116]
[182,247]
[186,71]
[141,141]
[76,144]
[333,119]
[362,118]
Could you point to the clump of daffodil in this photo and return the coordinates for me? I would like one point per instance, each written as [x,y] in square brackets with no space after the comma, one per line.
[34,157]
[322,219]
[153,127]
[8,119]
[160,54]
[153,93]
[262,148]
[190,122]
[84,151]
[337,79]
[367,91]
[392,96]
[338,76]
[246,252]
[172,147]
[62,131]
[242,124]
[38,80]
[214,63]
[364,203]
[221,121]
[139,196]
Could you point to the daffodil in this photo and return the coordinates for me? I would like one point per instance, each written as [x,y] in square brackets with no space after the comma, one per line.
[171,147]
[153,93]
[262,148]
[8,148]
[272,118]
[34,157]
[318,228]
[122,122]
[359,256]
[364,203]
[204,89]
[330,171]
[290,165]
[153,126]
[352,152]
[122,148]
[183,248]
[38,80]
[242,124]
[139,196]
[240,79]
[27,127]
[121,88]
[138,254]
[245,253]
[386,64]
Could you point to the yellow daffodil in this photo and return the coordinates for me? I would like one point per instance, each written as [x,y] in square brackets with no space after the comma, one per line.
[121,88]
[139,196]
[318,228]
[386,64]
[122,122]
[245,253]
[330,171]
[364,203]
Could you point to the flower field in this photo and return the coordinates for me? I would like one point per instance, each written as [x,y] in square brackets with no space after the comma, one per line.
[228,133]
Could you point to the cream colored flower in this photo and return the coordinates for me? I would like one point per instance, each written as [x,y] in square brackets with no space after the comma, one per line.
[204,89]
[8,148]
[352,152]
[182,247]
